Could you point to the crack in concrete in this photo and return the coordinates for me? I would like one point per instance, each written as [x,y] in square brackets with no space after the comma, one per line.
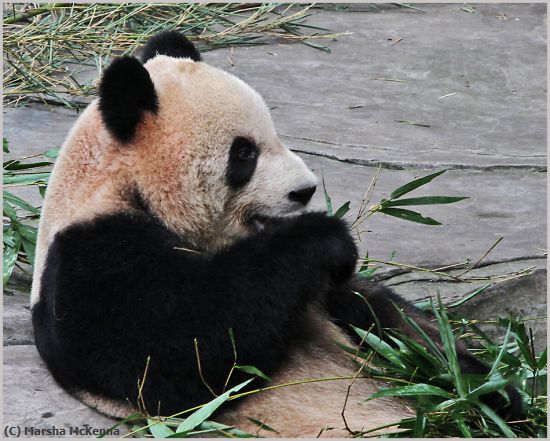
[397,165]
[389,149]
[442,279]
[18,343]
[400,271]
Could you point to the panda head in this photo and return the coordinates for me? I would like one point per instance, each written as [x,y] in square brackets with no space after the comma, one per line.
[199,146]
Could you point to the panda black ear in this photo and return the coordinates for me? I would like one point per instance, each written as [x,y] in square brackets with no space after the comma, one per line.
[170,43]
[126,92]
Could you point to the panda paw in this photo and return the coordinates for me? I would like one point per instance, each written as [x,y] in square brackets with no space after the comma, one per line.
[328,241]
[510,407]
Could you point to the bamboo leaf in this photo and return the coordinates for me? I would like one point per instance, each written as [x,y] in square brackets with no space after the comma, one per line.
[488,387]
[127,420]
[508,433]
[448,341]
[233,344]
[411,390]
[159,429]
[262,425]
[520,332]
[42,190]
[468,297]
[410,186]
[462,426]
[10,256]
[502,351]
[253,371]
[409,215]
[17,165]
[424,200]
[211,425]
[541,364]
[28,232]
[327,197]
[16,200]
[200,415]
[342,210]
[52,153]
[420,424]
[30,179]
[30,249]
[431,344]
[9,211]
[380,346]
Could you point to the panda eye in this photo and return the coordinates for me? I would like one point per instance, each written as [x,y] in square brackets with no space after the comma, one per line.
[241,164]
[247,152]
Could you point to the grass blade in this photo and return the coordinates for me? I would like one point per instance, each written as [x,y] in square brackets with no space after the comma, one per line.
[490,386]
[508,433]
[409,215]
[463,427]
[380,346]
[411,390]
[431,344]
[425,200]
[496,363]
[404,189]
[200,415]
[52,153]
[10,255]
[16,200]
[262,425]
[252,370]
[159,429]
[328,201]
[30,179]
[342,210]
[448,340]
[468,297]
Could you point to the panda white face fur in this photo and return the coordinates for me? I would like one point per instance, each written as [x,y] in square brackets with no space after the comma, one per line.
[174,213]
[230,170]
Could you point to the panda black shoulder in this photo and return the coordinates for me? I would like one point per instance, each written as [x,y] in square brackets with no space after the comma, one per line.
[172,44]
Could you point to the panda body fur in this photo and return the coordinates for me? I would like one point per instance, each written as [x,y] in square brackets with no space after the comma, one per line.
[149,238]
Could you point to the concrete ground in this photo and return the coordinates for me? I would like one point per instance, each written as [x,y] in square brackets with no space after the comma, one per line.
[411,92]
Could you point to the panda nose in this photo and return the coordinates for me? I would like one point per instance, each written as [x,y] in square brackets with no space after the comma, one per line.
[303,195]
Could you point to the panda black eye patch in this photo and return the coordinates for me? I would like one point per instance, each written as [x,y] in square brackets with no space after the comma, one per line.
[243,157]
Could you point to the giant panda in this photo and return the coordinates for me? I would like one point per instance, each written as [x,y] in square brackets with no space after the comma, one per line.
[173,214]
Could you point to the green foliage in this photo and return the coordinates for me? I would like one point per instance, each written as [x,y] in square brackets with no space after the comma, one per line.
[448,400]
[46,45]
[19,217]
[195,424]
[387,206]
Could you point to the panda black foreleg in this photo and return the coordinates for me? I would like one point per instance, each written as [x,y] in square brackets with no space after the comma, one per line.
[120,290]
[374,309]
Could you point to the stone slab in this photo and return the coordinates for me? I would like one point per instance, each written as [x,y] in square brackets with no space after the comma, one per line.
[34,402]
[478,80]
[464,76]
[518,288]
[521,297]
[492,69]
[32,130]
[17,324]
[509,204]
